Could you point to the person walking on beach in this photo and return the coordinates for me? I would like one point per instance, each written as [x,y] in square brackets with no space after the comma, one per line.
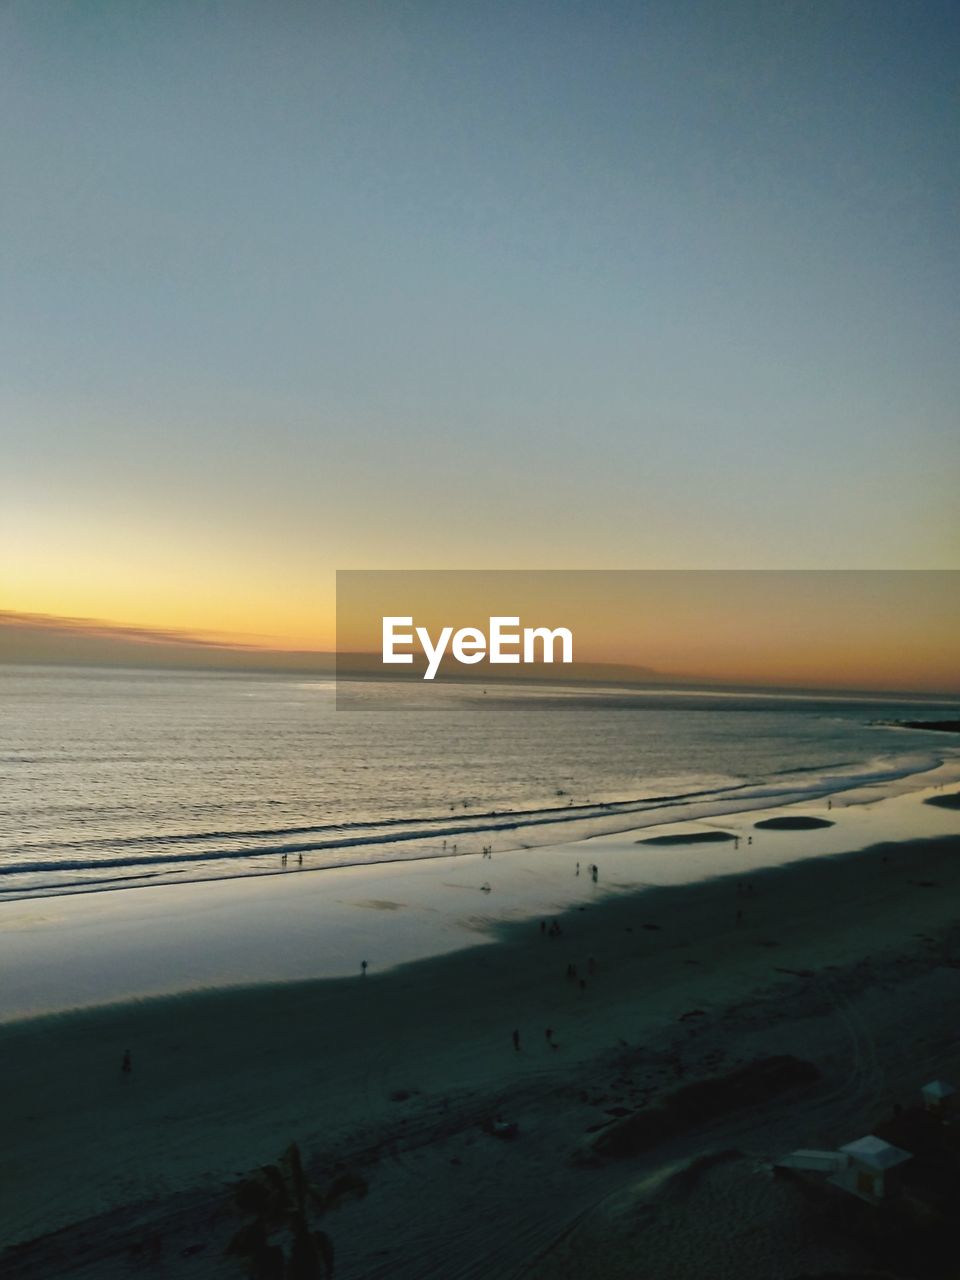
[300,860]
[127,1065]
[516,1041]
[363,968]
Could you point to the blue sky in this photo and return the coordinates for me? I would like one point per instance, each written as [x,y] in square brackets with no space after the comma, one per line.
[291,287]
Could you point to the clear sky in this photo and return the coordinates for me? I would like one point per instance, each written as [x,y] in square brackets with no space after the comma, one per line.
[291,287]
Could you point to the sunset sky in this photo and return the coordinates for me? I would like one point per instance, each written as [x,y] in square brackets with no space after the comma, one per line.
[294,287]
[873,629]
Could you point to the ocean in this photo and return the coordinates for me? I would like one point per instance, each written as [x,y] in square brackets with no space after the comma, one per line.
[120,778]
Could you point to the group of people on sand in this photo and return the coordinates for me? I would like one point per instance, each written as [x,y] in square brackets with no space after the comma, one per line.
[283,860]
[548,1036]
[572,975]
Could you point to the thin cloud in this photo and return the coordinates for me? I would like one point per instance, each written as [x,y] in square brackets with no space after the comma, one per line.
[96,628]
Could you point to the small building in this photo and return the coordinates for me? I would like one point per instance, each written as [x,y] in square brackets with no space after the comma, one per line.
[870,1162]
[938,1097]
[814,1161]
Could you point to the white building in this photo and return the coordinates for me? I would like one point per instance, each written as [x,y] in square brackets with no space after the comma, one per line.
[938,1096]
[860,1167]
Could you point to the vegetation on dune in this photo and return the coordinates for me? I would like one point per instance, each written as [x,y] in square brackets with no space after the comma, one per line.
[280,1240]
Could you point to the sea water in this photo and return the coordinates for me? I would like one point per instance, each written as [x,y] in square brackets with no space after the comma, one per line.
[121,778]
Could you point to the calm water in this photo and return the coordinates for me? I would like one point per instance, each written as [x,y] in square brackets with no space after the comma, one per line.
[110,777]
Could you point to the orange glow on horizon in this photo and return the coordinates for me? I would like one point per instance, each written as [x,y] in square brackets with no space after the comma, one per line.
[816,630]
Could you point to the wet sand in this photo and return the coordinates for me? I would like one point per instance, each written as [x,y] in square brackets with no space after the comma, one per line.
[92,949]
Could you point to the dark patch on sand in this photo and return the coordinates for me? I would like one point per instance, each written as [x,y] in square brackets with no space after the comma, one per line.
[706,1100]
[797,823]
[697,837]
[950,801]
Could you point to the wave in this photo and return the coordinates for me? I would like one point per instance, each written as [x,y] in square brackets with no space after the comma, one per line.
[484,818]
[427,828]
[385,834]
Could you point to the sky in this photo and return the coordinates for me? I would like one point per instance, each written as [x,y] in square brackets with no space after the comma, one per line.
[847,629]
[287,288]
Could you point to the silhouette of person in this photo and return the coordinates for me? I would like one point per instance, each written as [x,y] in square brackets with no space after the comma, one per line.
[363,967]
[127,1065]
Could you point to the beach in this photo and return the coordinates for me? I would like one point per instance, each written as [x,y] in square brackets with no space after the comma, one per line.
[848,961]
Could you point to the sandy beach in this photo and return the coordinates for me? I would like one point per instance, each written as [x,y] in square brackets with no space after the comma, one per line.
[849,962]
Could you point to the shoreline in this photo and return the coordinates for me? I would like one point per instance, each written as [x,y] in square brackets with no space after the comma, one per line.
[223,1080]
[575,823]
[84,950]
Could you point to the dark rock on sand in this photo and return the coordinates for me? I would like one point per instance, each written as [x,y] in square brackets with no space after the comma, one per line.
[937,726]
